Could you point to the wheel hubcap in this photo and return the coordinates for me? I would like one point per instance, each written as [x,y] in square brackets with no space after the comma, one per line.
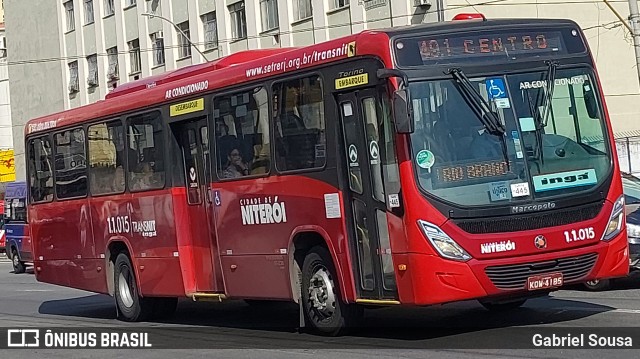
[593,282]
[125,291]
[321,293]
[16,261]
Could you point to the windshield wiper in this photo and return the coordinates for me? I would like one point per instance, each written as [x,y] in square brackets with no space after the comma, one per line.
[481,108]
[551,84]
[478,104]
[541,119]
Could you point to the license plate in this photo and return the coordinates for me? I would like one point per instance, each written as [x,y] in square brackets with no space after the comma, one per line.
[545,281]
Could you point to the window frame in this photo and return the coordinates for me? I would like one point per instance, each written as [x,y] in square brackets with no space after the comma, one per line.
[166,143]
[212,132]
[9,202]
[296,10]
[184,43]
[241,9]
[74,80]
[92,73]
[54,149]
[111,54]
[89,12]
[134,52]
[335,4]
[158,50]
[48,135]
[70,15]
[264,15]
[122,122]
[109,8]
[323,89]
[206,21]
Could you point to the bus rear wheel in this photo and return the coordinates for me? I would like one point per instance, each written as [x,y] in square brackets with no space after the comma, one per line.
[131,306]
[323,308]
[18,265]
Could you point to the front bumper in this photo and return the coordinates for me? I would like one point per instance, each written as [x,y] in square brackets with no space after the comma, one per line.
[433,280]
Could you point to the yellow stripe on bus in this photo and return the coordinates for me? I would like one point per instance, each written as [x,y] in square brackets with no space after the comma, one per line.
[187,107]
[352,81]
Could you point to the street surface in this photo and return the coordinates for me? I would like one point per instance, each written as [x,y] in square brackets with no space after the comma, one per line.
[270,332]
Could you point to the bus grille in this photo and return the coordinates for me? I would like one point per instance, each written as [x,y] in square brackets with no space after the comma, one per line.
[531,221]
[514,276]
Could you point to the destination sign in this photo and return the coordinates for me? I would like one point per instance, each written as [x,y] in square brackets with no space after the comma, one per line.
[512,45]
[486,46]
[459,174]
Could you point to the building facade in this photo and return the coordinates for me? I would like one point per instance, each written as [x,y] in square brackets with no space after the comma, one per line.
[7,163]
[68,53]
[6,135]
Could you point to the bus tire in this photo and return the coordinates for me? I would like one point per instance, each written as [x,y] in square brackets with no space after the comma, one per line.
[503,306]
[131,306]
[18,265]
[323,308]
[597,285]
[164,307]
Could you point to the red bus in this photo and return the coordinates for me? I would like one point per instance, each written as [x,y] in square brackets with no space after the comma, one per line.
[412,166]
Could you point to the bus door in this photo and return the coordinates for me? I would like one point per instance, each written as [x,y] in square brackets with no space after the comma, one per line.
[193,137]
[367,141]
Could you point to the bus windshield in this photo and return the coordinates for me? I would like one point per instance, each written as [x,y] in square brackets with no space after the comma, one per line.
[555,137]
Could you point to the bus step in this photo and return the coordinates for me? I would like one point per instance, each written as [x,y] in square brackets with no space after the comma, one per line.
[208,297]
[377,301]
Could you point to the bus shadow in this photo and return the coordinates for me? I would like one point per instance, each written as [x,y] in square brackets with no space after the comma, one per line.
[94,306]
[406,324]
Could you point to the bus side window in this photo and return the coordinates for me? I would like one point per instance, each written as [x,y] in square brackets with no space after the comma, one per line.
[106,158]
[300,123]
[145,152]
[40,170]
[71,164]
[242,133]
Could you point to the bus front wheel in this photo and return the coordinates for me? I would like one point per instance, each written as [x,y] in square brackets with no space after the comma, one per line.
[324,309]
[131,306]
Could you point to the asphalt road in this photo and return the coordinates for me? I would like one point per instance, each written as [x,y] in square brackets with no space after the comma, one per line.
[270,332]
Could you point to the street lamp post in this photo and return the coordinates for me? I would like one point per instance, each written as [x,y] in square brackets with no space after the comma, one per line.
[179,30]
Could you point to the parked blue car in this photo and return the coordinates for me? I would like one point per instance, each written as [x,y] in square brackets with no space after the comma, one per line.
[18,239]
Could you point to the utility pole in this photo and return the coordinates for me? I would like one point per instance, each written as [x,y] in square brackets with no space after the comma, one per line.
[634,18]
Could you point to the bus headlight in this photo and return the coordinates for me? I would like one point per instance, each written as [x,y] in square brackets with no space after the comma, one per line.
[446,246]
[616,219]
[633,230]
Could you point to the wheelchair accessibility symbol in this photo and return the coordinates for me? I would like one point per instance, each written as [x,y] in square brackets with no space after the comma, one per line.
[495,88]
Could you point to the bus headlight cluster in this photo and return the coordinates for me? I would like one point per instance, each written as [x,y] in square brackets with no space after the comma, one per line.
[615,220]
[446,246]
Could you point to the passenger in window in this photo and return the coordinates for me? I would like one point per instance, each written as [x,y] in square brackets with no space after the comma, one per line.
[236,166]
[143,179]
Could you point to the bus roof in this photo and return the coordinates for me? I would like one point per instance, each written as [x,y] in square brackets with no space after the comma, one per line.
[250,65]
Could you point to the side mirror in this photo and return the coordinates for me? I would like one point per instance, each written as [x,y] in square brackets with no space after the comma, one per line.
[402,111]
[590,101]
